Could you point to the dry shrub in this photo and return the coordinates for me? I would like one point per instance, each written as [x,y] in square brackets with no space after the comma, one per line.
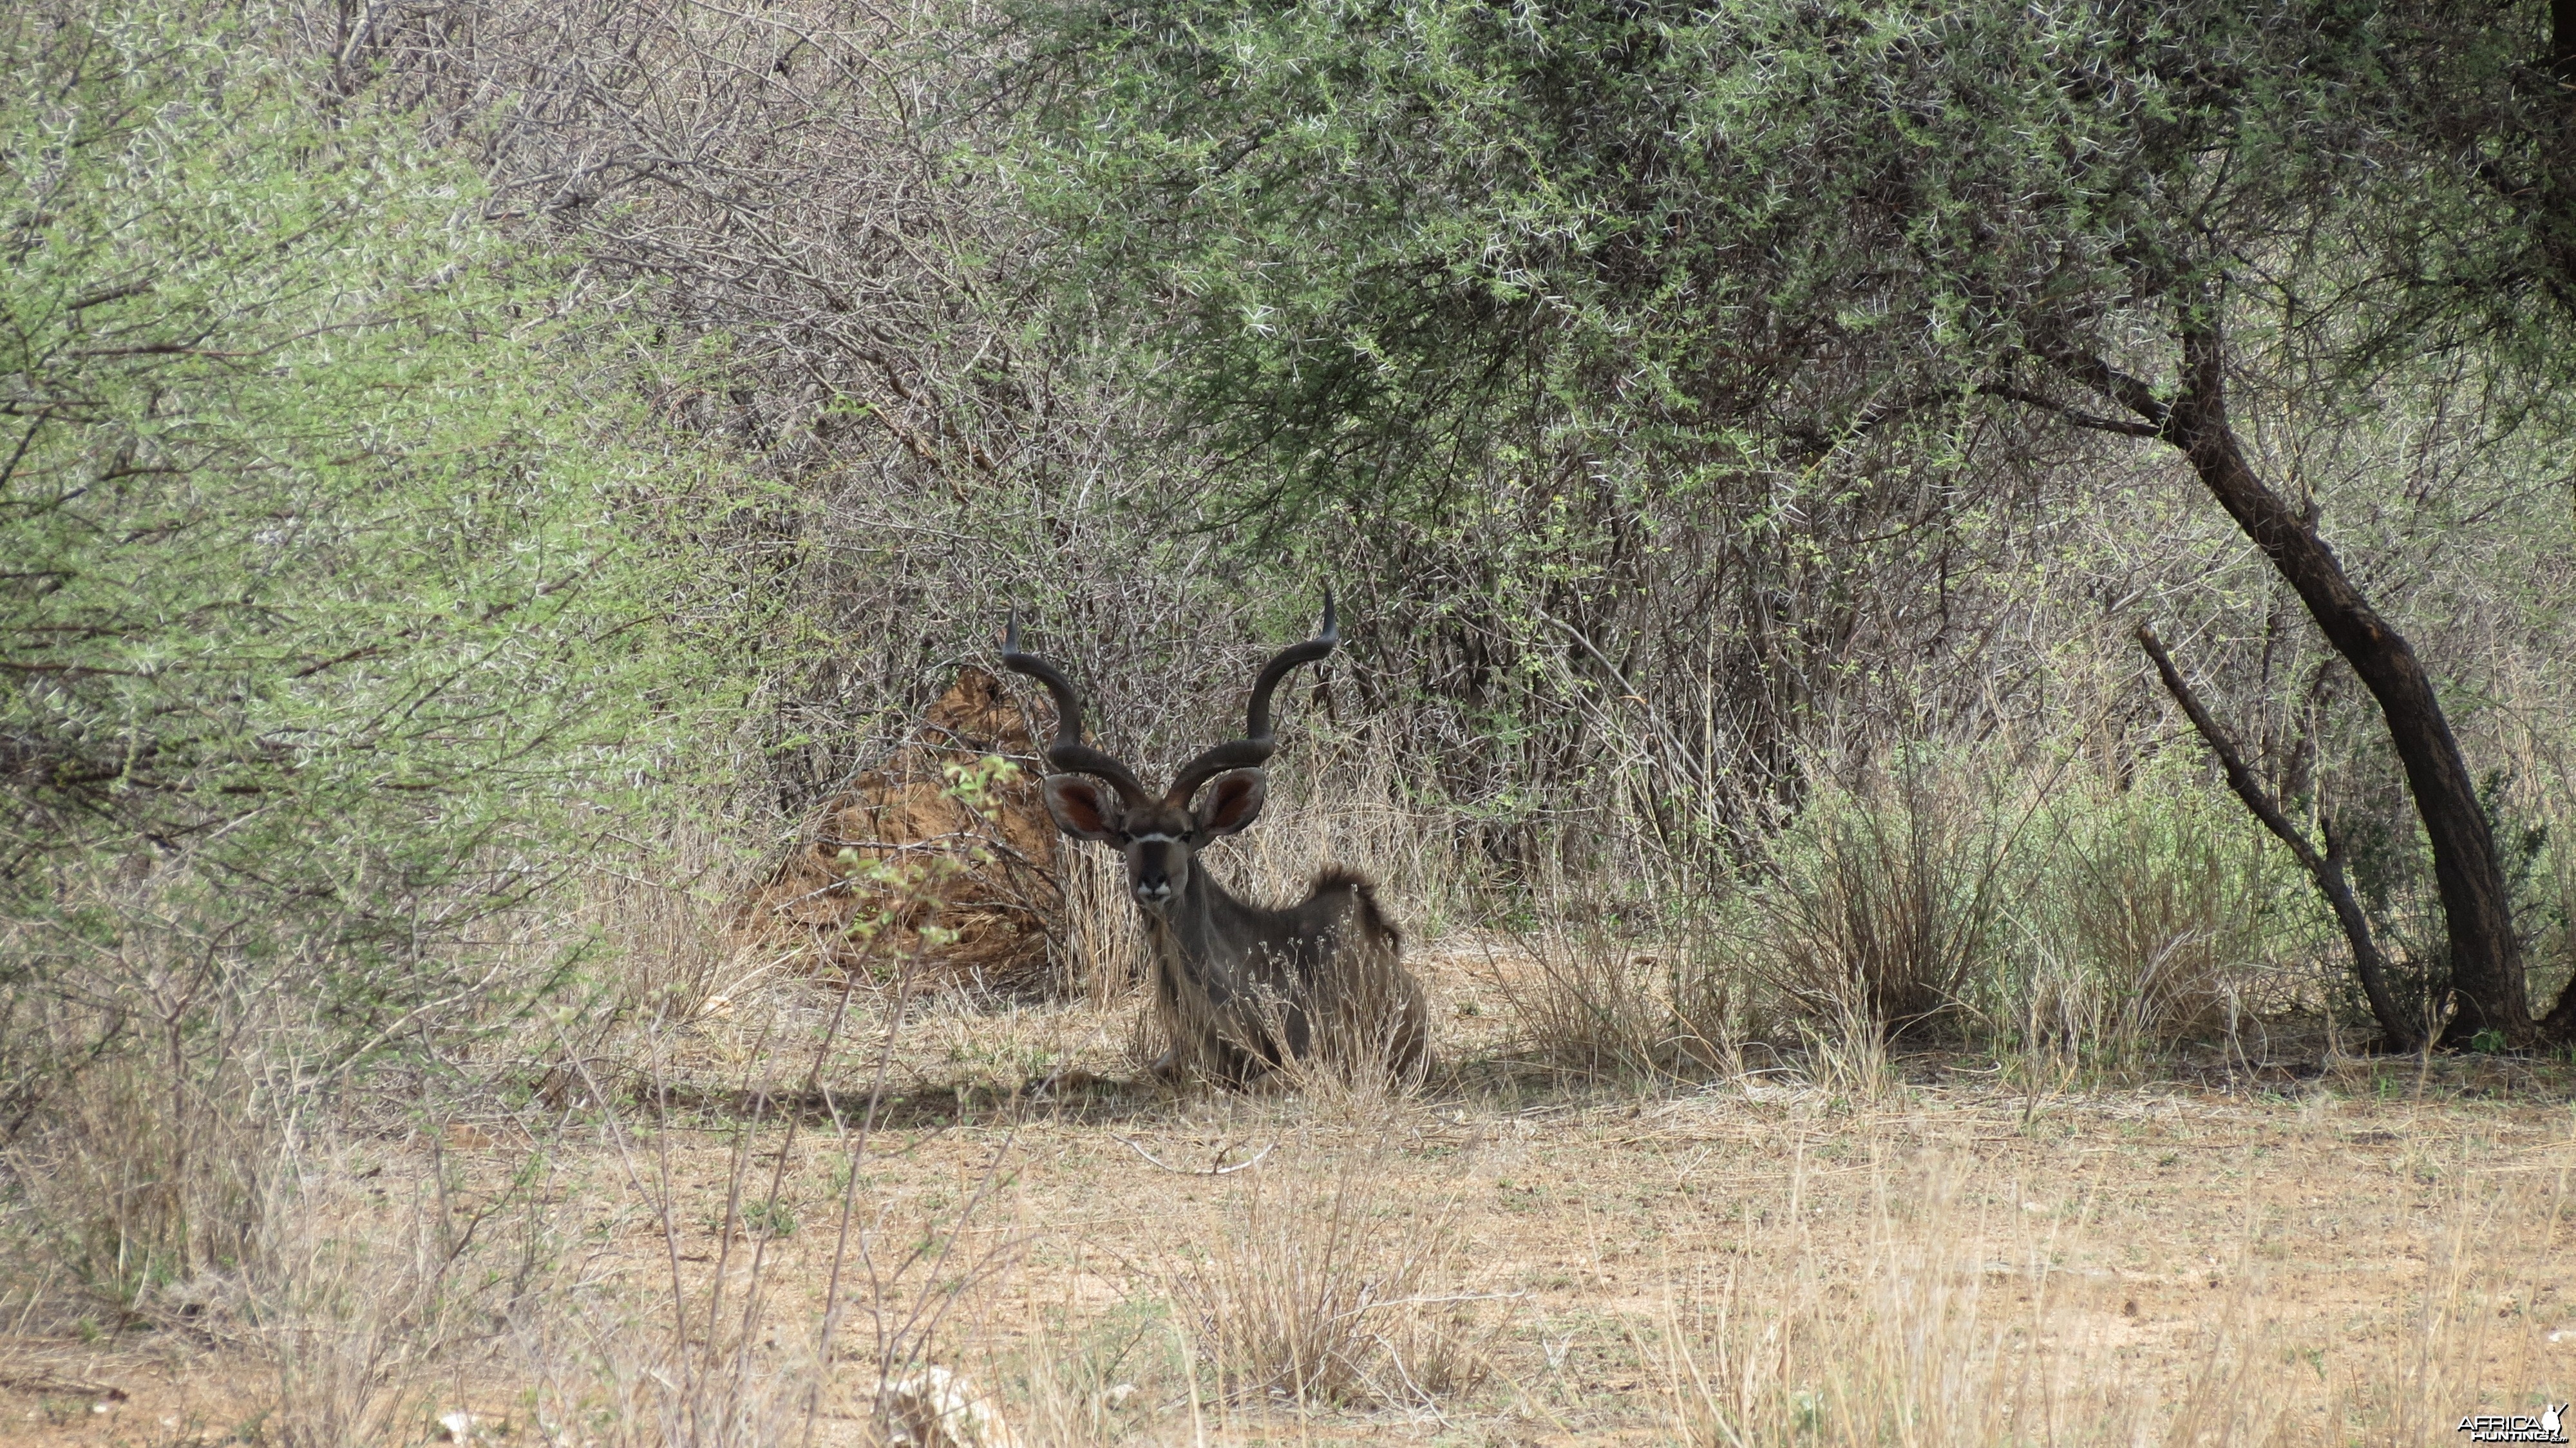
[2092,919]
[2160,939]
[1884,901]
[1592,1005]
[943,854]
[2151,916]
[1077,1398]
[620,1376]
[2084,920]
[1335,1287]
[816,1300]
[141,1180]
[667,919]
[356,1287]
[361,1309]
[145,1090]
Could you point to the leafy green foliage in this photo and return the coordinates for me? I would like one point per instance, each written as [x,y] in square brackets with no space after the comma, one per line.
[1416,242]
[1392,227]
[348,600]
[334,599]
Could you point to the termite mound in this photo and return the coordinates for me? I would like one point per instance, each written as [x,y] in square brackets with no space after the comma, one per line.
[940,860]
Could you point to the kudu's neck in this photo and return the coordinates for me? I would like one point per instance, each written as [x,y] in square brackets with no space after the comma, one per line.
[1200,922]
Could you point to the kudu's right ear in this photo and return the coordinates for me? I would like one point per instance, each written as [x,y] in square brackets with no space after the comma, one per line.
[1083,809]
[1233,801]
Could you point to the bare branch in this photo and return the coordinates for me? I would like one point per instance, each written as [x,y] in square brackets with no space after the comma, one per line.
[2075,416]
[2325,869]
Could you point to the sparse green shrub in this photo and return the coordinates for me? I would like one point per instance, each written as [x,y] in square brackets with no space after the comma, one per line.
[2048,910]
[2153,913]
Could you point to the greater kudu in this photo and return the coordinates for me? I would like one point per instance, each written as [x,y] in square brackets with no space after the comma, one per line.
[1241,988]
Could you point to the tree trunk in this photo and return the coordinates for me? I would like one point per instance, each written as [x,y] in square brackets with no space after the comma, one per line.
[2486,958]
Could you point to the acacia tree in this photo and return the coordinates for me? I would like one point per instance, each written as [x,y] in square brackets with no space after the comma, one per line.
[1387,237]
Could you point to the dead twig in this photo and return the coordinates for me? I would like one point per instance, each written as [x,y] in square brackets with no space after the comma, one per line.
[1213,1171]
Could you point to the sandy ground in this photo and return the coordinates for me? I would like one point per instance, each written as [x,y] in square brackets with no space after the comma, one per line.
[2300,1247]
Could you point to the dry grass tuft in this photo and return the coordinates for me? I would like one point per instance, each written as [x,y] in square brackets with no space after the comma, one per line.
[1335,1286]
[1885,905]
[1591,1005]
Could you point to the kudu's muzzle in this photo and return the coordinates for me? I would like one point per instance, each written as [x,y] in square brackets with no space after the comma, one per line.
[1158,870]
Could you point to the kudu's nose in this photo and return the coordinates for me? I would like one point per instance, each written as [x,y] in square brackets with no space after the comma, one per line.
[1153,889]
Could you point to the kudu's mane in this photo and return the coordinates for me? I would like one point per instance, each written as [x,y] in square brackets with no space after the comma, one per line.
[1372,916]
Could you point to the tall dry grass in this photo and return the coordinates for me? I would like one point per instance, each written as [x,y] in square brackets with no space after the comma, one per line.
[1968,1320]
[1343,805]
[1882,902]
[373,1291]
[153,1070]
[1588,1002]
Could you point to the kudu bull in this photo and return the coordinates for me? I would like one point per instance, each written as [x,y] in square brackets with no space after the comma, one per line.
[1241,988]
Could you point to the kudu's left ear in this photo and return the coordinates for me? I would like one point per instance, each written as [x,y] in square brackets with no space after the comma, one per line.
[1232,802]
[1083,809]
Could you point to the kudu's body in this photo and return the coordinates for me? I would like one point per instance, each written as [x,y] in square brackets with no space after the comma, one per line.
[1241,988]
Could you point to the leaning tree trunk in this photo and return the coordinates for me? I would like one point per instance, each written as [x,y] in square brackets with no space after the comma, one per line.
[2486,957]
